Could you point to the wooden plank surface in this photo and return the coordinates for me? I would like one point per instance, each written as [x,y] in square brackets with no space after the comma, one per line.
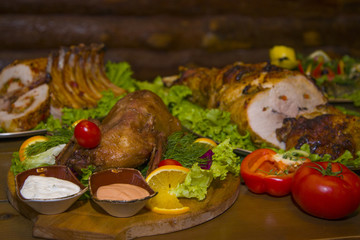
[164,32]
[298,8]
[156,38]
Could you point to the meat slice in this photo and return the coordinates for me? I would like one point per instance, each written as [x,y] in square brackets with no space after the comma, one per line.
[22,73]
[134,131]
[268,99]
[20,77]
[27,111]
[24,94]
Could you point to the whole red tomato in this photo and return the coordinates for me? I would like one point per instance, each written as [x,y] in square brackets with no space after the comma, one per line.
[87,134]
[326,190]
[169,162]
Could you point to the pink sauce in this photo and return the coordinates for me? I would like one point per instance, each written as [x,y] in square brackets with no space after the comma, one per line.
[121,192]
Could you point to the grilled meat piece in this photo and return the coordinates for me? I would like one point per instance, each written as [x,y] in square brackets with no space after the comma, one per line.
[133,132]
[258,96]
[326,133]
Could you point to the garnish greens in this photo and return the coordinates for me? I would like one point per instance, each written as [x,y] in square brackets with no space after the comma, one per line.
[346,158]
[121,75]
[41,153]
[345,75]
[198,180]
[181,147]
[84,179]
[61,136]
[211,123]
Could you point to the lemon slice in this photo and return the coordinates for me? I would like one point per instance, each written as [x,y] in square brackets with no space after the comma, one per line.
[211,143]
[28,142]
[162,180]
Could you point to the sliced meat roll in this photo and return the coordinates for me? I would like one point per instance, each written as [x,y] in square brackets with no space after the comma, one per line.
[22,73]
[19,77]
[27,111]
[259,105]
[258,96]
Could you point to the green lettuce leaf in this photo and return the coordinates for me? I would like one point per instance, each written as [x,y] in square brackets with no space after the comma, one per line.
[16,165]
[51,124]
[225,160]
[198,180]
[211,123]
[120,74]
[45,158]
[195,185]
[103,107]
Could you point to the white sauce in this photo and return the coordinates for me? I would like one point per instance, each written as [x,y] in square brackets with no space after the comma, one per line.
[41,187]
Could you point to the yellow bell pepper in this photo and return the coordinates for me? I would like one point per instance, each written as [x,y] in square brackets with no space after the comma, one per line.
[283,56]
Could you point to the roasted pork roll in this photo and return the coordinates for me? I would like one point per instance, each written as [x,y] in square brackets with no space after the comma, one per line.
[258,96]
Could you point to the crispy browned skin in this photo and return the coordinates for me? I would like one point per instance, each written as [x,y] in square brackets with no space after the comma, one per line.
[133,132]
[208,83]
[326,133]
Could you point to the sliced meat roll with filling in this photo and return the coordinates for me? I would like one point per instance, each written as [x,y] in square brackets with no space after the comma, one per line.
[19,77]
[27,111]
[22,73]
[258,96]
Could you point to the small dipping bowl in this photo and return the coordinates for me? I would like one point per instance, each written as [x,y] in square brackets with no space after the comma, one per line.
[119,208]
[55,205]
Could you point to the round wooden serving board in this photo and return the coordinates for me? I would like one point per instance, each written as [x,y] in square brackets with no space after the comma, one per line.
[86,220]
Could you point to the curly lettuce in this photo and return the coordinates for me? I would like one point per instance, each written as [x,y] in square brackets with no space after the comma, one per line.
[198,180]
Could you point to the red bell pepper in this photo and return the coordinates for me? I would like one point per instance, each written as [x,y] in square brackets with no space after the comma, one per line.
[317,70]
[300,67]
[330,74]
[265,171]
[340,67]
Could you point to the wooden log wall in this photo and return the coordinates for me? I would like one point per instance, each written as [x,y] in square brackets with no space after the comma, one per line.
[157,36]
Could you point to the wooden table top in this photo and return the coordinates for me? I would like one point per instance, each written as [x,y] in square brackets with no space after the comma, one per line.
[251,217]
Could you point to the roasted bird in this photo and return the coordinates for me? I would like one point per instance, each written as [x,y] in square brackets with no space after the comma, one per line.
[134,131]
[258,96]
[24,95]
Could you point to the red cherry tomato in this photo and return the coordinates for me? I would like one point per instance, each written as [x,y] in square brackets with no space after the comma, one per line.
[326,190]
[169,162]
[87,134]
